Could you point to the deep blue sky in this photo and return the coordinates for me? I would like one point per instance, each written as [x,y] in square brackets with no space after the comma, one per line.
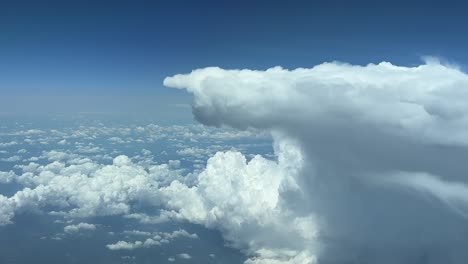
[102,48]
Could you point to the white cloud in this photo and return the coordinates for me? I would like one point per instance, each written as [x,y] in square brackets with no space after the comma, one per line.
[6,210]
[8,144]
[72,229]
[184,256]
[29,132]
[123,245]
[77,187]
[136,233]
[349,124]
[22,151]
[156,239]
[243,200]
[180,233]
[7,177]
[410,102]
[281,257]
[55,155]
[193,151]
[143,218]
[89,149]
[11,159]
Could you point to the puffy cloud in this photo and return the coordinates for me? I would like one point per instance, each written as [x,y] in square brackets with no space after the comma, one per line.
[123,245]
[7,177]
[157,239]
[193,151]
[22,151]
[353,127]
[281,257]
[410,102]
[29,132]
[184,256]
[11,159]
[6,210]
[8,144]
[55,155]
[242,199]
[136,233]
[71,229]
[75,187]
[180,233]
[163,217]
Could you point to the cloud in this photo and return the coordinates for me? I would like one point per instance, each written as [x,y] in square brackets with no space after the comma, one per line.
[350,127]
[409,102]
[6,210]
[281,257]
[11,159]
[76,187]
[156,239]
[8,144]
[123,245]
[136,233]
[7,177]
[242,199]
[184,256]
[71,229]
[180,233]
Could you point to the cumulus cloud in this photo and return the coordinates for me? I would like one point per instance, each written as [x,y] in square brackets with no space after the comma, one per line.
[184,256]
[156,239]
[8,144]
[124,245]
[6,210]
[281,257]
[11,159]
[180,233]
[405,101]
[71,229]
[7,177]
[75,187]
[351,127]
[136,233]
[242,199]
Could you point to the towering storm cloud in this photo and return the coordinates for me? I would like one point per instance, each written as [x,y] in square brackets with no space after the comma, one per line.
[371,163]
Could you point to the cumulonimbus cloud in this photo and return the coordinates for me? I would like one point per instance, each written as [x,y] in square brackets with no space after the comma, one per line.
[352,126]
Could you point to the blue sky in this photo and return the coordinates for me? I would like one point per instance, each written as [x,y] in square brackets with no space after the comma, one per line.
[126,48]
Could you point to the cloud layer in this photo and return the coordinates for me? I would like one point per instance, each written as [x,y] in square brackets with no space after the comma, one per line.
[377,171]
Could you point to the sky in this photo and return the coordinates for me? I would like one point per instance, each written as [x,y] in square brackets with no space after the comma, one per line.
[126,48]
[255,132]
